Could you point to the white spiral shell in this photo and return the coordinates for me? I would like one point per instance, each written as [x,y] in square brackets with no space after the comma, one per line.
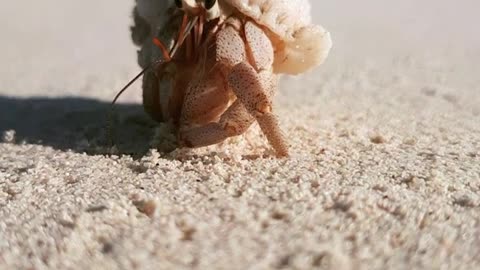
[305,45]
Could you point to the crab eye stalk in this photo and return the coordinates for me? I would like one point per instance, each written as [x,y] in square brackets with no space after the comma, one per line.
[209,4]
[178,3]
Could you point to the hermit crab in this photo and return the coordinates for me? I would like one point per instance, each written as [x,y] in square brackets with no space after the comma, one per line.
[220,62]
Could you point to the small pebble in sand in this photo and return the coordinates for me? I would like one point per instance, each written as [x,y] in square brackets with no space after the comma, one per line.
[96,208]
[146,207]
[378,139]
[464,201]
[410,141]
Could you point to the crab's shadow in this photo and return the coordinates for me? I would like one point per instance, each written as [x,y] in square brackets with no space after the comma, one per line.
[76,124]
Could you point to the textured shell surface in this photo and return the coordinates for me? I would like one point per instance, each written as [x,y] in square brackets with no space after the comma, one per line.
[304,45]
[283,17]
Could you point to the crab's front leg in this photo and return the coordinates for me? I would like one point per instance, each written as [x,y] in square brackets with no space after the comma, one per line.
[248,86]
[250,77]
[229,50]
[254,84]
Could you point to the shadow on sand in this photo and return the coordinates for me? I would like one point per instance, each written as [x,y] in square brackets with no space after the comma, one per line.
[77,124]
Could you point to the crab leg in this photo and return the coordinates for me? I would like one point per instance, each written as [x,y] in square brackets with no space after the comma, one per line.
[254,84]
[254,90]
[235,121]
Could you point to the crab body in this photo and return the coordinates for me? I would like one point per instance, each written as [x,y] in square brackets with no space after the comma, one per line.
[224,76]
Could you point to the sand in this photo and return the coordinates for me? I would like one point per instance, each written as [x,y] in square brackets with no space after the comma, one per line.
[385,138]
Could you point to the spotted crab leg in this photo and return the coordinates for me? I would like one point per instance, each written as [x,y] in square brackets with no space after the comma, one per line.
[251,79]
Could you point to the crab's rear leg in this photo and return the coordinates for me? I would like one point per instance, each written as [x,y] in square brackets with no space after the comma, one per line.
[235,121]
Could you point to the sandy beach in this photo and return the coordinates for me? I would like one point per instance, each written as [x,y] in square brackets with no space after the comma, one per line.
[384,170]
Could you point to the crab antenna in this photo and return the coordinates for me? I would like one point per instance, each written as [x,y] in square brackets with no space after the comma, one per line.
[162,47]
[184,30]
[131,82]
[181,34]
[198,32]
[112,105]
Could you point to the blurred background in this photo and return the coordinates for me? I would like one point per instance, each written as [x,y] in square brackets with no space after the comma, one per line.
[57,48]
